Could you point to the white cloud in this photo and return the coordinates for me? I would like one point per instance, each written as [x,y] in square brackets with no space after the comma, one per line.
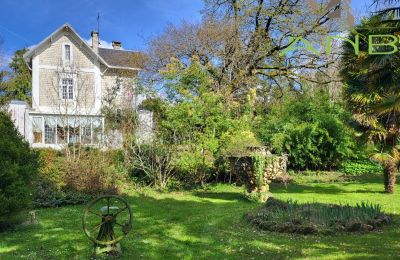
[103,44]
[5,59]
[31,47]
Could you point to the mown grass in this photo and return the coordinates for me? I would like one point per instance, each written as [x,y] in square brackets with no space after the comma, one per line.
[209,224]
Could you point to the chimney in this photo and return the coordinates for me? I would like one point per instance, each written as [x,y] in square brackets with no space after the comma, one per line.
[116,45]
[95,41]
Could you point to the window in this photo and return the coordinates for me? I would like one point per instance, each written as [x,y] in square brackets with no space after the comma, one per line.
[49,134]
[67,52]
[97,130]
[73,134]
[37,129]
[67,88]
[86,131]
[67,130]
[50,124]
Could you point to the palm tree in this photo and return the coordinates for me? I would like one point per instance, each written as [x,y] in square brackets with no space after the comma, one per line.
[372,89]
[387,8]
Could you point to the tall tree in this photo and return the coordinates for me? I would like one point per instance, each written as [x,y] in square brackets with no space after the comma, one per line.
[372,91]
[243,43]
[19,85]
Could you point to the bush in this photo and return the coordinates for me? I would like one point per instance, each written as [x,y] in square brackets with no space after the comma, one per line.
[48,195]
[93,172]
[311,129]
[18,168]
[361,166]
[317,218]
[68,179]
[151,163]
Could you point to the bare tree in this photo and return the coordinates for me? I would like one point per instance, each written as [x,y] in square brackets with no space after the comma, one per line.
[241,43]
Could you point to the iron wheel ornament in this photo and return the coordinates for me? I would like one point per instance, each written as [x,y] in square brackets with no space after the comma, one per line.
[106,221]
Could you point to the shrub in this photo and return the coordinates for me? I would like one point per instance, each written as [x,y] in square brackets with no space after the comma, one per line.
[151,163]
[92,172]
[48,195]
[317,218]
[18,167]
[68,179]
[360,166]
[311,129]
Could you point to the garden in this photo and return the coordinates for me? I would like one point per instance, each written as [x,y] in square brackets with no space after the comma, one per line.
[209,223]
[252,154]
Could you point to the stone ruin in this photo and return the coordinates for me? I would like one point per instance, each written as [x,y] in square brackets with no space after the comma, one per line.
[257,167]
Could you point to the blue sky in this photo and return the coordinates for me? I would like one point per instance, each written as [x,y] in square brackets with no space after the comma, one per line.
[26,22]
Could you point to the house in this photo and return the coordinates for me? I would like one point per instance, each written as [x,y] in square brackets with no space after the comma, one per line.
[71,83]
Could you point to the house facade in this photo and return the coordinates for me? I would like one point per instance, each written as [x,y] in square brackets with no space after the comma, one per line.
[71,82]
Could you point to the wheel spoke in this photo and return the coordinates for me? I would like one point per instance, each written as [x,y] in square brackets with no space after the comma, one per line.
[97,214]
[96,227]
[119,224]
[119,211]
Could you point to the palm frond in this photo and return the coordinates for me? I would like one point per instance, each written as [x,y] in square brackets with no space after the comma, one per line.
[382,158]
[388,12]
[389,104]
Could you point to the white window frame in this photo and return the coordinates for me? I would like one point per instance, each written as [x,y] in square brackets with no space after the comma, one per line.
[33,138]
[67,62]
[74,88]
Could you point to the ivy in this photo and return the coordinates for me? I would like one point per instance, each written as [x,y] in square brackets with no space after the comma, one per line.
[259,167]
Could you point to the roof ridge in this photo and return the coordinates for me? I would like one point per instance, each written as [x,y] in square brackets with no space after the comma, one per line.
[120,50]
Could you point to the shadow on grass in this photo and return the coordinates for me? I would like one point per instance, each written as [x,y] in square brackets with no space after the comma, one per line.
[343,187]
[318,188]
[231,196]
[200,225]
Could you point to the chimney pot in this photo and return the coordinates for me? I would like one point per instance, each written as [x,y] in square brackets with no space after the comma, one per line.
[95,41]
[116,45]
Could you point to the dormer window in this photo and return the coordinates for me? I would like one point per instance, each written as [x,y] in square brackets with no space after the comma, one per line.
[67,53]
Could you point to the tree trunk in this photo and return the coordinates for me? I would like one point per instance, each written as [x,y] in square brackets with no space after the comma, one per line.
[389,172]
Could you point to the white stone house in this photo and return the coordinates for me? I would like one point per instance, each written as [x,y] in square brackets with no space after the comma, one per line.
[71,82]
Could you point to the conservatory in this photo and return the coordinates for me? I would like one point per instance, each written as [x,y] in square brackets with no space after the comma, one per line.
[57,130]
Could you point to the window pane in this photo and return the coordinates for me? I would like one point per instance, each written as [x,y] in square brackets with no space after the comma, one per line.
[67,52]
[97,126]
[37,129]
[49,130]
[67,88]
[74,135]
[61,134]
[86,130]
[70,92]
[49,136]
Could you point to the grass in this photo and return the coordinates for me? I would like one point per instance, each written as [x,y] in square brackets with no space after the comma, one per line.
[210,225]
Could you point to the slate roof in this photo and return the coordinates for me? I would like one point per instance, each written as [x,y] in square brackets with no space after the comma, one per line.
[122,58]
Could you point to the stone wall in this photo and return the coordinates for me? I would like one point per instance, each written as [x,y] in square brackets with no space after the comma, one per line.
[258,169]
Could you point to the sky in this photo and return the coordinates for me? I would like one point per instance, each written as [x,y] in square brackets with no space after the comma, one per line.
[24,23]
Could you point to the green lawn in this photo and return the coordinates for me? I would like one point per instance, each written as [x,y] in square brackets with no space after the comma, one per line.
[209,225]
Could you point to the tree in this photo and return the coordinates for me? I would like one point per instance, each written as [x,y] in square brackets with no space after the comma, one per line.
[195,122]
[372,92]
[19,85]
[241,44]
[18,167]
[388,9]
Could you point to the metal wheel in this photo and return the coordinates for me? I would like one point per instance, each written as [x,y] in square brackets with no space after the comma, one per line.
[107,219]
